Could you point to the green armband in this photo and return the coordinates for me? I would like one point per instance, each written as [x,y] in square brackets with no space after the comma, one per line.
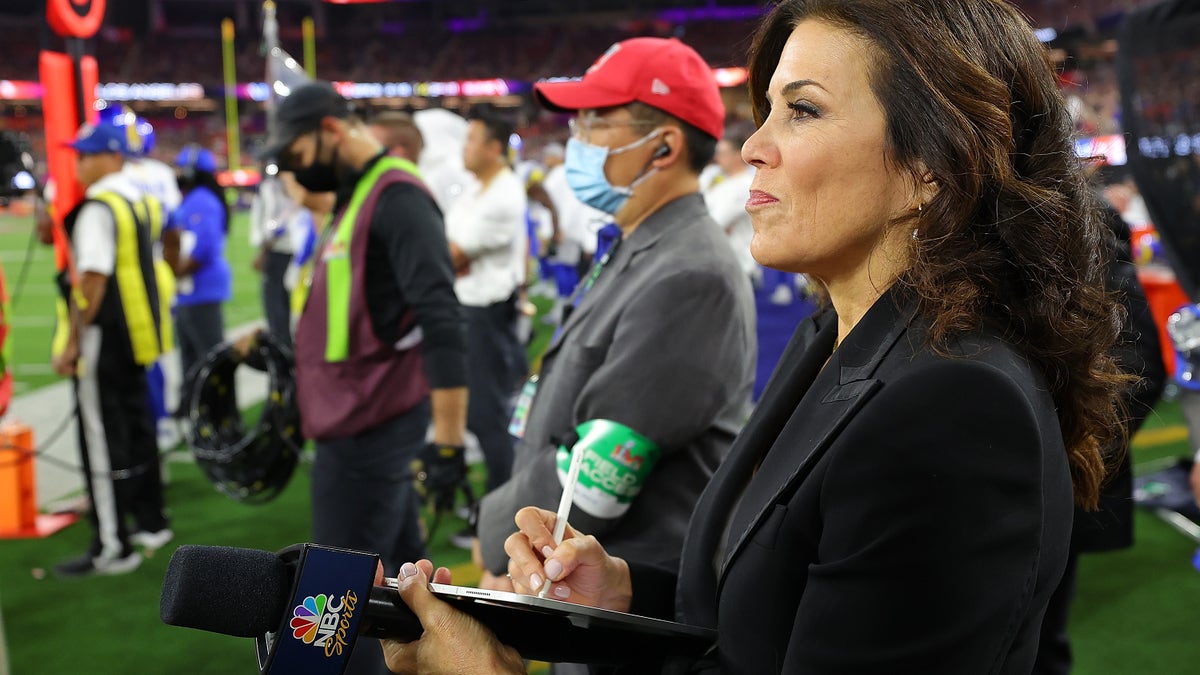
[616,462]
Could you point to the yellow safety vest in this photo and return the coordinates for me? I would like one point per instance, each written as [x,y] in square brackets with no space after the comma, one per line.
[144,331]
[150,211]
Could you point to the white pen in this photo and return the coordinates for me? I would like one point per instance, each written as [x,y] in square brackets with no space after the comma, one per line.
[564,506]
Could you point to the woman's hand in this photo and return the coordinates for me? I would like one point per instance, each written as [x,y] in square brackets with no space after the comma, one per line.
[452,643]
[582,571]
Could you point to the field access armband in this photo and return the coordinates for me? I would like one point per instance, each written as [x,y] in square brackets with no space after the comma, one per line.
[616,462]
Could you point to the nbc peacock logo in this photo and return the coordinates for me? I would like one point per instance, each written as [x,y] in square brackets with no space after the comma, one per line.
[324,621]
[306,618]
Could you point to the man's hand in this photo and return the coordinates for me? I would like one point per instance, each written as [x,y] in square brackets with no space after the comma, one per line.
[65,364]
[439,471]
[245,344]
[491,582]
[477,555]
[460,261]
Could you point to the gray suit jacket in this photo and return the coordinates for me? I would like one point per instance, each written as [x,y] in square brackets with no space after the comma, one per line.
[663,343]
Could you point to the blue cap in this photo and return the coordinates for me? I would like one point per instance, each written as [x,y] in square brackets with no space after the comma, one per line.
[195,157]
[92,140]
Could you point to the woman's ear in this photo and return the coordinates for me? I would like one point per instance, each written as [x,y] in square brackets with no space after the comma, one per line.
[927,186]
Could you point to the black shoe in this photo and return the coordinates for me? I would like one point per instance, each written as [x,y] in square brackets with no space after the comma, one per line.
[464,538]
[87,566]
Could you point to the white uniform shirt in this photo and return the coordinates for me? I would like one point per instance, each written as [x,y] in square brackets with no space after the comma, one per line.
[448,182]
[271,215]
[95,235]
[489,226]
[156,179]
[726,201]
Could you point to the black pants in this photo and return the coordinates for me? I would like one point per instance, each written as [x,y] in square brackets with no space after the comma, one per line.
[495,365]
[363,499]
[277,302]
[117,445]
[199,328]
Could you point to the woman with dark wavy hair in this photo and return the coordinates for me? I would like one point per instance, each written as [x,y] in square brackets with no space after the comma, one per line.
[901,499]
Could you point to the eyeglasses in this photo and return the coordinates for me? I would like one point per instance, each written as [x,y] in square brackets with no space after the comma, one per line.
[582,126]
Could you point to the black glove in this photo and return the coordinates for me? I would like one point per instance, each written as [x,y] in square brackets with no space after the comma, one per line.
[438,471]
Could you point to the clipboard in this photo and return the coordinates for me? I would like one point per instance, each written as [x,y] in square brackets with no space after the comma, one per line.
[544,629]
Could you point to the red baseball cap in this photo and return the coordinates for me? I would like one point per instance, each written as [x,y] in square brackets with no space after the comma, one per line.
[663,73]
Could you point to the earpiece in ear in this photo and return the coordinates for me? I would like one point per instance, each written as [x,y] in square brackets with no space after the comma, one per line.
[662,151]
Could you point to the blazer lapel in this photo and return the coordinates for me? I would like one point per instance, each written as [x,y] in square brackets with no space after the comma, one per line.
[798,366]
[840,389]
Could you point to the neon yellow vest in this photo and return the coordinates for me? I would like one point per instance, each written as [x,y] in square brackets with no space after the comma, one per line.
[149,210]
[338,278]
[131,282]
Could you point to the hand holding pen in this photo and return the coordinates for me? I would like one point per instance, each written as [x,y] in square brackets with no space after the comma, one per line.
[578,567]
[564,509]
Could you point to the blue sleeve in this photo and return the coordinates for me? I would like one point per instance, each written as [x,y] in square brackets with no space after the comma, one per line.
[204,219]
[176,218]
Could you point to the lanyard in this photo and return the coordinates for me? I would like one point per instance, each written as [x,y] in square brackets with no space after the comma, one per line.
[608,240]
[586,285]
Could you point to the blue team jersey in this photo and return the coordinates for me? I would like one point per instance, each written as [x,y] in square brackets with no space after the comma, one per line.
[201,214]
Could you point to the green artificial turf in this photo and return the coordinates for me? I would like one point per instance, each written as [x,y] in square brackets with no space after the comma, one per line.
[110,624]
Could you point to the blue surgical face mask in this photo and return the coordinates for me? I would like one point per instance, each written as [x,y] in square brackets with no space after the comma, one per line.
[584,164]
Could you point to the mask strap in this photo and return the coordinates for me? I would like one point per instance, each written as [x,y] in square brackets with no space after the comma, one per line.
[636,144]
[646,172]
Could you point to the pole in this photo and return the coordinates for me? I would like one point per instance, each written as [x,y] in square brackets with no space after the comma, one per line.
[232,131]
[310,47]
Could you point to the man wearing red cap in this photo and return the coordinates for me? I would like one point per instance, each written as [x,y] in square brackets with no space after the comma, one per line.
[650,373]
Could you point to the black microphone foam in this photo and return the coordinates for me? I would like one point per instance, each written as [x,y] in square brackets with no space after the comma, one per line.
[246,593]
[234,591]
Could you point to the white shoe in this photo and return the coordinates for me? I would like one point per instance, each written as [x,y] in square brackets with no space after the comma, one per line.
[152,540]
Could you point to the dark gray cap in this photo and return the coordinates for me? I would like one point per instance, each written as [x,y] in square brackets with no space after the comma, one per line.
[300,112]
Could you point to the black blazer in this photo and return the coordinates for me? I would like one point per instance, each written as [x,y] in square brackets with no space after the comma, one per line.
[896,511]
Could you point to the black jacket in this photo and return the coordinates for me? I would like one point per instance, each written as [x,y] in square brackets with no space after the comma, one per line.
[896,511]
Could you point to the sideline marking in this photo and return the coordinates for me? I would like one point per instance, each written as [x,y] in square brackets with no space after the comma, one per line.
[1148,438]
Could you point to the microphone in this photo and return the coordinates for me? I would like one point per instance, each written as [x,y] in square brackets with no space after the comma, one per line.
[306,606]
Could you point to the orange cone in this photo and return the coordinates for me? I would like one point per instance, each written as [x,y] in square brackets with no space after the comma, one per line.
[18,500]
[18,492]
